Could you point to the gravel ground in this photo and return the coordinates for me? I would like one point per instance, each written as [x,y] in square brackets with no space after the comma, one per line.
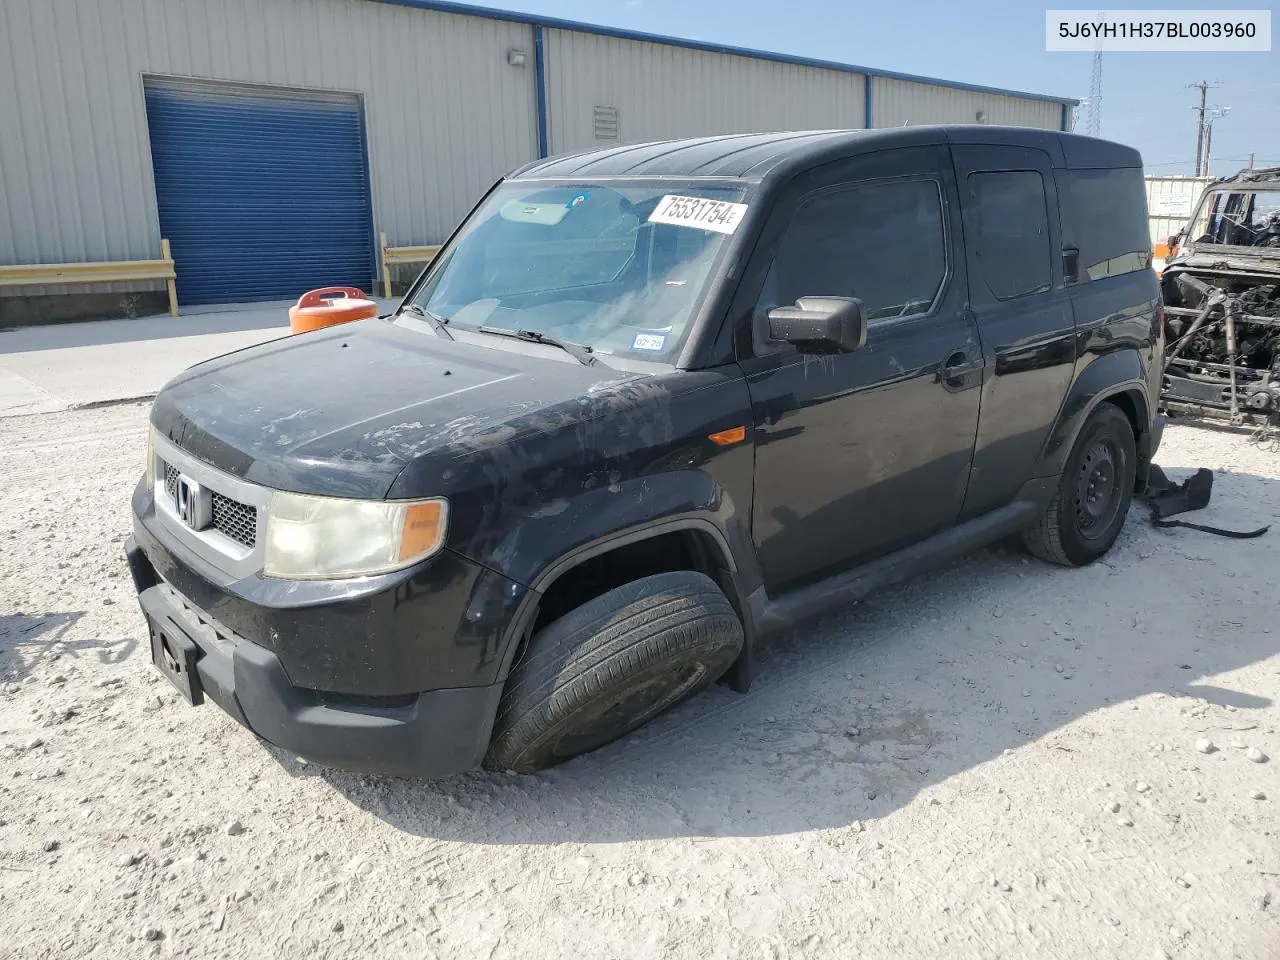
[1005,760]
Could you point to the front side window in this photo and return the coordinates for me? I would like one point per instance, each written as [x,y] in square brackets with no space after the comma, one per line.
[1011,239]
[1238,218]
[883,243]
[618,267]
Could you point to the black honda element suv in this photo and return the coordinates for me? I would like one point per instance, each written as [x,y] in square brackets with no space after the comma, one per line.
[648,405]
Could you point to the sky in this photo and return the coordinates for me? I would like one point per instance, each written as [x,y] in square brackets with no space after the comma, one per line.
[999,43]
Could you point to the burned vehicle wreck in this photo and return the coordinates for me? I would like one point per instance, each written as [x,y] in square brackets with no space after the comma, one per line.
[1221,291]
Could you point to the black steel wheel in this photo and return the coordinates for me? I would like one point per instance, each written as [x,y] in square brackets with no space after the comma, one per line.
[1097,494]
[1084,520]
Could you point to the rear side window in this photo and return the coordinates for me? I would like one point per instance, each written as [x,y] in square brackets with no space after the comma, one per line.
[1011,242]
[1108,213]
[881,242]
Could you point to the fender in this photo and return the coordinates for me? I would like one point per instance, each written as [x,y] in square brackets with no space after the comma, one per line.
[545,548]
[1108,375]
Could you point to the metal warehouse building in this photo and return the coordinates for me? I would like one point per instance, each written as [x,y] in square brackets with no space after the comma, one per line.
[271,142]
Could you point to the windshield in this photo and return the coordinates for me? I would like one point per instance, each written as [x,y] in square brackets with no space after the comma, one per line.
[617,267]
[1249,218]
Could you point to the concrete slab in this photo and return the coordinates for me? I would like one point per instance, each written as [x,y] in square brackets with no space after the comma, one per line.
[19,396]
[61,366]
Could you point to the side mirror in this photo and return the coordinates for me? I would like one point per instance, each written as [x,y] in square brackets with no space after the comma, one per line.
[821,324]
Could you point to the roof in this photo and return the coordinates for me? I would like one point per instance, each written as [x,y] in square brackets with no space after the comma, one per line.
[1264,176]
[749,156]
[468,10]
[758,155]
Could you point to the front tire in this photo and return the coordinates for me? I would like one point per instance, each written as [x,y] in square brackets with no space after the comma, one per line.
[1084,519]
[612,665]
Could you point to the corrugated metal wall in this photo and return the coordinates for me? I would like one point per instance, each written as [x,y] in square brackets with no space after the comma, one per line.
[664,91]
[446,113]
[897,102]
[1169,203]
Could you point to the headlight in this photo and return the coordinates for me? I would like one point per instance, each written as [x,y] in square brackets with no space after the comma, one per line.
[151,455]
[316,538]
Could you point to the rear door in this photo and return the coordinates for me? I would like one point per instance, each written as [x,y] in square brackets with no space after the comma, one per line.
[862,452]
[1117,294]
[1013,242]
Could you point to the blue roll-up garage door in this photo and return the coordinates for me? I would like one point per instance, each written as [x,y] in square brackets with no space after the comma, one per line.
[263,192]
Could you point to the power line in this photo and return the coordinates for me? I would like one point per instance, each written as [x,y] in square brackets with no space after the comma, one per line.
[1149,164]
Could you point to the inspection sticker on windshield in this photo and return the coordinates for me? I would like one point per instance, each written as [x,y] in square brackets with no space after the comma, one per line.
[649,341]
[718,215]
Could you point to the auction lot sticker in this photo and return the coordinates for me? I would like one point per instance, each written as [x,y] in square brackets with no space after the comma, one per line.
[718,215]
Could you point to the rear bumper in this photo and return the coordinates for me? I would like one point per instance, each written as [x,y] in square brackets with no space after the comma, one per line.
[1157,434]
[431,734]
[1148,449]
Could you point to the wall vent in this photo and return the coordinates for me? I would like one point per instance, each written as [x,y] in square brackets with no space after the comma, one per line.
[604,122]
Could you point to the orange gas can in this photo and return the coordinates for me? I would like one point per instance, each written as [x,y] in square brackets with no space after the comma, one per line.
[328,306]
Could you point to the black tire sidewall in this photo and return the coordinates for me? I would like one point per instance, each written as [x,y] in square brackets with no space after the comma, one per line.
[545,753]
[551,690]
[1106,421]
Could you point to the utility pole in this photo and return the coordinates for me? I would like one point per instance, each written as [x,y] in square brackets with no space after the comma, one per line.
[1204,92]
[1211,114]
[1204,86]
[1250,159]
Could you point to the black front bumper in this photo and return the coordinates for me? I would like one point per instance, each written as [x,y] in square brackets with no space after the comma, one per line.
[431,734]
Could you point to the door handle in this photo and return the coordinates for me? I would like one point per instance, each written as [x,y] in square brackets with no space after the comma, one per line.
[956,368]
[1070,264]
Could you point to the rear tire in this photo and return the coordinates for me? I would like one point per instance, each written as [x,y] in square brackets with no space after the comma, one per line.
[612,665]
[1085,518]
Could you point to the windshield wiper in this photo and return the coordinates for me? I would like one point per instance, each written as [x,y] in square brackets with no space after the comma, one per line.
[579,351]
[437,322]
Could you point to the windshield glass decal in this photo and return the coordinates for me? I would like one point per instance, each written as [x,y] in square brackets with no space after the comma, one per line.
[655,342]
[546,214]
[701,212]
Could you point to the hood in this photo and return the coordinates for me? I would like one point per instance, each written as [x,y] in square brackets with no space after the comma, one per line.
[1208,256]
[344,410]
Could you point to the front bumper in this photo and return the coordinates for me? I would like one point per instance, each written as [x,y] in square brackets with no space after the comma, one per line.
[432,734]
[447,622]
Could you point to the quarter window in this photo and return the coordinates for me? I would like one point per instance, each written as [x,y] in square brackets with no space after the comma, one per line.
[1109,213]
[881,242]
[1011,236]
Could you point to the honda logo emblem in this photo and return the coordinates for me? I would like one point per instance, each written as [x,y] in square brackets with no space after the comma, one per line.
[194,503]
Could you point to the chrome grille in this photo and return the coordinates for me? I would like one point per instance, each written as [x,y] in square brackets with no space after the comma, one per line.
[234,519]
[231,518]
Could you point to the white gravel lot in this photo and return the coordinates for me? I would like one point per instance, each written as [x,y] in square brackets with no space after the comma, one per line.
[1003,760]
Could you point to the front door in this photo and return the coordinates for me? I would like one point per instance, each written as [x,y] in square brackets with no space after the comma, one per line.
[861,453]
